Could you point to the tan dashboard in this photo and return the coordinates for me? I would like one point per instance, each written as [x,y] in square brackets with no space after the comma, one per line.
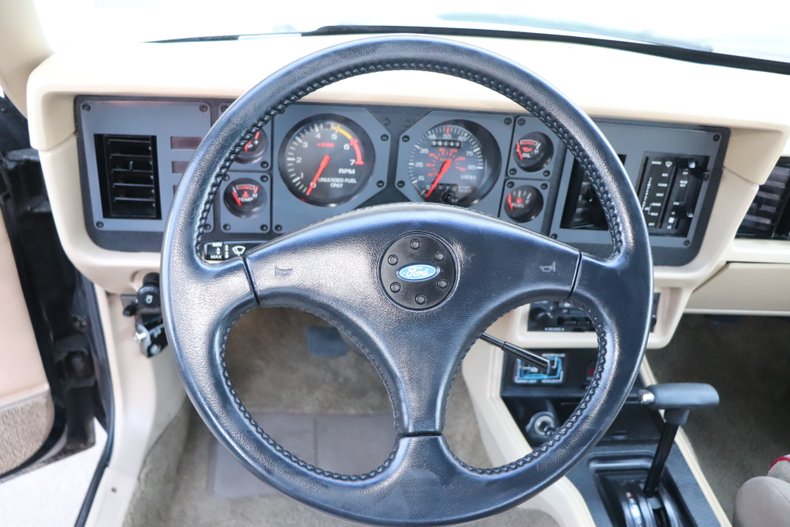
[727,275]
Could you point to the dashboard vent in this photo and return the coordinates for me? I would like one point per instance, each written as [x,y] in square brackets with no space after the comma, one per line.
[768,217]
[583,209]
[128,176]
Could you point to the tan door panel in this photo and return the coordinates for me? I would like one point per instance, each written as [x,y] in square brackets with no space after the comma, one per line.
[26,409]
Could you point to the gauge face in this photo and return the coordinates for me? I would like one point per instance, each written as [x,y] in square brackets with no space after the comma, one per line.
[454,162]
[523,203]
[254,149]
[326,160]
[533,151]
[245,197]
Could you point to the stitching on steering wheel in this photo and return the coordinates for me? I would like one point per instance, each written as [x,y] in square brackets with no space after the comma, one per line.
[535,109]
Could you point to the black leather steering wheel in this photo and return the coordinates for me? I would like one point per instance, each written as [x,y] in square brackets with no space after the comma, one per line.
[340,269]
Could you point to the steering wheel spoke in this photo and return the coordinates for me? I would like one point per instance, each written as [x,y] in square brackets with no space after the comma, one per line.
[220,289]
[607,289]
[509,266]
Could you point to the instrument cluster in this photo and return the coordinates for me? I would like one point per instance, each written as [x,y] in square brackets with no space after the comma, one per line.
[328,159]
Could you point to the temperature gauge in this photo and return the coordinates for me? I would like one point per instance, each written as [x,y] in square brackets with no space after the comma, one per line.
[245,197]
[533,151]
[524,203]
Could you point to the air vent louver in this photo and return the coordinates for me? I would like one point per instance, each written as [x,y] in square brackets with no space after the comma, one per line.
[769,216]
[128,176]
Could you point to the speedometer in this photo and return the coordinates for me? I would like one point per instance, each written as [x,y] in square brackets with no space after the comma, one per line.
[326,160]
[455,162]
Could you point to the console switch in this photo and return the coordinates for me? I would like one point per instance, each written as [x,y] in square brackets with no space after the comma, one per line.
[683,199]
[528,374]
[668,192]
[656,184]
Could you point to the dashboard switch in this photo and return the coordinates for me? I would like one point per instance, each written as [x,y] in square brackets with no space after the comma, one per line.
[657,180]
[221,251]
[669,191]
[529,374]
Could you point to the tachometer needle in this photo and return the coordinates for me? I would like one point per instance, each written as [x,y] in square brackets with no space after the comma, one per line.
[445,167]
[321,168]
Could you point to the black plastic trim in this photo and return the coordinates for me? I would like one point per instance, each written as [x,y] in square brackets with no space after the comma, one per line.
[397,120]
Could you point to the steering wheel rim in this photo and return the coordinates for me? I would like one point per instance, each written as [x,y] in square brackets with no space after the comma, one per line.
[421,483]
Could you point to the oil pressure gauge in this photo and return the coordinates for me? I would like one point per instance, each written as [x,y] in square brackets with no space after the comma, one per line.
[533,151]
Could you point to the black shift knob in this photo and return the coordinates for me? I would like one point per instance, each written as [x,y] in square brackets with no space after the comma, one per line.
[679,396]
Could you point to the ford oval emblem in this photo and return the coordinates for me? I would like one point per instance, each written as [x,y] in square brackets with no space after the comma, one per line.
[417,272]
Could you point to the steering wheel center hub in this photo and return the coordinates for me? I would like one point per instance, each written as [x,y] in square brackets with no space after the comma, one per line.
[418,271]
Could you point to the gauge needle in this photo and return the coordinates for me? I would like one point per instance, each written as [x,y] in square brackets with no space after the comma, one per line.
[236,197]
[439,175]
[252,142]
[321,167]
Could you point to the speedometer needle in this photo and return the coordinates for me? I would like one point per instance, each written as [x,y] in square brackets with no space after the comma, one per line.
[321,168]
[445,167]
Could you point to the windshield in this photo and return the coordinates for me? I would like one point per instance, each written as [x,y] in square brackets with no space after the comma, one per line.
[749,30]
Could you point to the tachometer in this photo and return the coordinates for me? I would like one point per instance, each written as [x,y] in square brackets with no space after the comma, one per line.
[455,162]
[326,160]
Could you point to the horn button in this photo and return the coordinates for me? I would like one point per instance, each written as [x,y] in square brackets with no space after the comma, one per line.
[418,271]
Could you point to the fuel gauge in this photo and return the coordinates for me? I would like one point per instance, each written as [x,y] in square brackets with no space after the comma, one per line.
[524,203]
[254,149]
[245,197]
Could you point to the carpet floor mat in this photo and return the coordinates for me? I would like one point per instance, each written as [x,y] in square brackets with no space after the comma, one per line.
[328,405]
[747,359]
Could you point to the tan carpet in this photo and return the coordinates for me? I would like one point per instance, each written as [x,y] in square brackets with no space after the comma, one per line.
[273,372]
[748,361]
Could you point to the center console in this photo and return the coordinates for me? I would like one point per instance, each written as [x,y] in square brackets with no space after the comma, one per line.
[612,475]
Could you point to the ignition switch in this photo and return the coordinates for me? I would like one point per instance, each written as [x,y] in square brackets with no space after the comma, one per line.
[145,307]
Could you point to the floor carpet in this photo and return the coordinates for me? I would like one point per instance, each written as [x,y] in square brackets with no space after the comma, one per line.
[747,359]
[279,380]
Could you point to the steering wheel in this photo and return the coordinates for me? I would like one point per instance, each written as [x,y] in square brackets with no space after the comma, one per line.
[342,269]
